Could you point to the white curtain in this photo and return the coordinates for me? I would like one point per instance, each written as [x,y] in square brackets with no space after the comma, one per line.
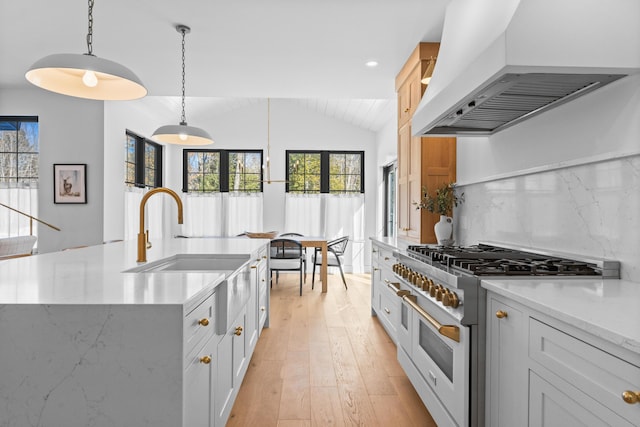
[344,216]
[221,214]
[304,214]
[244,213]
[203,214]
[23,199]
[331,216]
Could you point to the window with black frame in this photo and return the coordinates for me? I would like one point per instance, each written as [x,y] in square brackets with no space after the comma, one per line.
[143,162]
[19,151]
[334,172]
[207,171]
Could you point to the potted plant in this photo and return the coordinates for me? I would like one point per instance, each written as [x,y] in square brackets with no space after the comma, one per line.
[442,203]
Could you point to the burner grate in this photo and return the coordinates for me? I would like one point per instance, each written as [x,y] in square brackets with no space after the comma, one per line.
[486,260]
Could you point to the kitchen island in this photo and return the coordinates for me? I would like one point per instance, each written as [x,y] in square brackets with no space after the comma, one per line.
[82,342]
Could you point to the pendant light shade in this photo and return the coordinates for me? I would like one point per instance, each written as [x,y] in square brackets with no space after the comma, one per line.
[182,134]
[86,75]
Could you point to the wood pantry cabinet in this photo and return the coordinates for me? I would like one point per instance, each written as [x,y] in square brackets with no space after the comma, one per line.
[422,162]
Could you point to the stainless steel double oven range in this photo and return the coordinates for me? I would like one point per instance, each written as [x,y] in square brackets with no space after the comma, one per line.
[441,336]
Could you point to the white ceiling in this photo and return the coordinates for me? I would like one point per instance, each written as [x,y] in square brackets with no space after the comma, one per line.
[310,50]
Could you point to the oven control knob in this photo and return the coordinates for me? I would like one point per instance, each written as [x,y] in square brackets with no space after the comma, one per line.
[424,285]
[417,280]
[451,300]
[439,293]
[432,290]
[429,285]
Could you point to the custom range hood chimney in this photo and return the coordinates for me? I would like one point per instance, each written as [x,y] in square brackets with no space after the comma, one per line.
[504,61]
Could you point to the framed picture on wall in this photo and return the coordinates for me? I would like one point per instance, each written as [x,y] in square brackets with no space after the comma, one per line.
[70,183]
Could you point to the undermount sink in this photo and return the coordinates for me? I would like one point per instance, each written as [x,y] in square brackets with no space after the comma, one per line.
[193,263]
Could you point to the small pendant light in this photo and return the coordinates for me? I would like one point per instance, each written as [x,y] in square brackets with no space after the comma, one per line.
[86,75]
[182,134]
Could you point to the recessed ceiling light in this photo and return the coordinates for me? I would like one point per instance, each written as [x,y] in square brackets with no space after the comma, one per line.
[371,64]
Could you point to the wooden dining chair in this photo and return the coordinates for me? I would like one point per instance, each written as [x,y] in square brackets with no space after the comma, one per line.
[285,255]
[335,257]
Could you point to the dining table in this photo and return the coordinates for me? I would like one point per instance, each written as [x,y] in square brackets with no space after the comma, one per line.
[316,242]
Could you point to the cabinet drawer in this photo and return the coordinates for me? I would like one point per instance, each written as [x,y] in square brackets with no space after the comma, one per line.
[389,313]
[199,323]
[386,258]
[600,375]
[262,308]
[556,403]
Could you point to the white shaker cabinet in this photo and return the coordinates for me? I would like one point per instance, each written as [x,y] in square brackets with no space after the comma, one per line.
[384,300]
[506,380]
[544,372]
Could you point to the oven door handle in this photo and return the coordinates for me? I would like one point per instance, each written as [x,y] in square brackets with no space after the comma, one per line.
[449,331]
[394,286]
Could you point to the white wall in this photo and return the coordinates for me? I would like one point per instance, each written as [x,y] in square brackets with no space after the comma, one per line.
[71,131]
[245,127]
[601,124]
[567,180]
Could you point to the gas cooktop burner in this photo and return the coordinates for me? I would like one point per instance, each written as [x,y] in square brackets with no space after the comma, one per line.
[487,260]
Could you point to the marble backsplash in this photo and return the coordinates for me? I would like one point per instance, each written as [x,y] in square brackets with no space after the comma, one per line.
[591,209]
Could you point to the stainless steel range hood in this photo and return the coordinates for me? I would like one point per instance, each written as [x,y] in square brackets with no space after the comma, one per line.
[534,55]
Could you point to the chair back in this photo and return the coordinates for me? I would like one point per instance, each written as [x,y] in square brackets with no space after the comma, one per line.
[338,246]
[291,235]
[285,249]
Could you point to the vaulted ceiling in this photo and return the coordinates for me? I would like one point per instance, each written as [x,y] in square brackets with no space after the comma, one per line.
[311,50]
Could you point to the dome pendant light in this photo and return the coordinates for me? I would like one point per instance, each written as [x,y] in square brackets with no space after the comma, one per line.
[86,75]
[182,134]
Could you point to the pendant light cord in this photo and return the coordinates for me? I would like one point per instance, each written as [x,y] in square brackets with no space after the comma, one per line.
[183,118]
[90,30]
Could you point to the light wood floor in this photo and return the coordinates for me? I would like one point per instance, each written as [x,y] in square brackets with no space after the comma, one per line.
[325,361]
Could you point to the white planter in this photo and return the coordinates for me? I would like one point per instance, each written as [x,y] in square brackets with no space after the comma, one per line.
[444,230]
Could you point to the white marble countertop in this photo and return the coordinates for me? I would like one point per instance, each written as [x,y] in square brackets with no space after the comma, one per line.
[94,275]
[609,309]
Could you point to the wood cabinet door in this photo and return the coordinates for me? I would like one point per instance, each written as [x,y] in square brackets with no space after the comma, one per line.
[404,156]
[404,104]
[415,187]
[438,168]
[415,90]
